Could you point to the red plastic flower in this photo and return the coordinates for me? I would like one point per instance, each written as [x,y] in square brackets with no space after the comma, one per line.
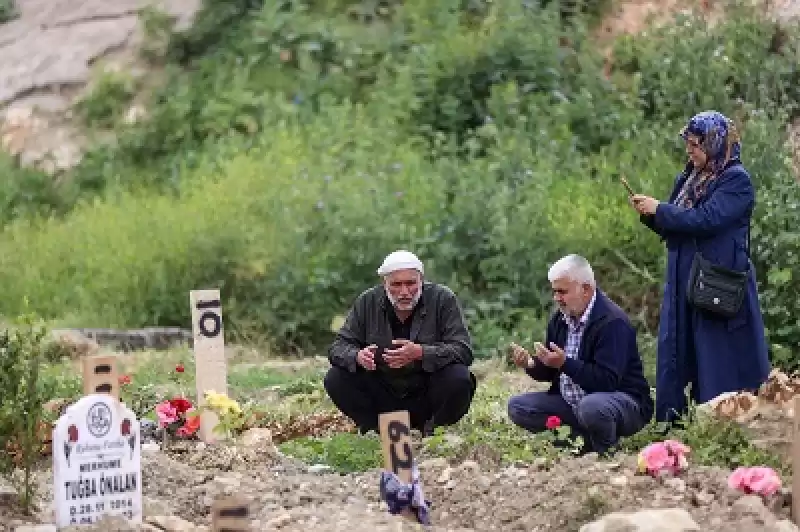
[124,379]
[126,427]
[73,433]
[179,368]
[191,425]
[553,422]
[180,404]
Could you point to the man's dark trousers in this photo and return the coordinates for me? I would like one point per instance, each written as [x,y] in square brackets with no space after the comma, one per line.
[444,398]
[601,419]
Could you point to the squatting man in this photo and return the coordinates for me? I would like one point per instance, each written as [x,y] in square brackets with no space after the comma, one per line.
[404,346]
[592,362]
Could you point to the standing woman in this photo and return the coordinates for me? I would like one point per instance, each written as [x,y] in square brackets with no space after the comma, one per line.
[709,212]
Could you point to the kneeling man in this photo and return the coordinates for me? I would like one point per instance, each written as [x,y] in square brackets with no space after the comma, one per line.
[403,346]
[592,361]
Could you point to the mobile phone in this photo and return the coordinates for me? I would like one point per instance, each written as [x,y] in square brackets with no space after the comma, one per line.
[378,353]
[626,185]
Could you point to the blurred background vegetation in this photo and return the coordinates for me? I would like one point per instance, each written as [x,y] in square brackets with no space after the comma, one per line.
[294,144]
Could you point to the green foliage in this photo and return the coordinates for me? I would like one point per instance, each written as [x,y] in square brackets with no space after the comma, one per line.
[307,140]
[343,452]
[8,10]
[747,58]
[715,442]
[108,99]
[22,397]
[486,432]
[26,192]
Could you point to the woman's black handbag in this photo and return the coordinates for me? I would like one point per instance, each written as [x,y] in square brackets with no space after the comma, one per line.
[716,289]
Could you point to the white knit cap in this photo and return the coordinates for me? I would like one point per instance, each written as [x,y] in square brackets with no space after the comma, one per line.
[400,260]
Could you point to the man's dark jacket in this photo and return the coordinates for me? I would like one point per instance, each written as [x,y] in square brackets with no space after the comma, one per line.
[437,324]
[608,359]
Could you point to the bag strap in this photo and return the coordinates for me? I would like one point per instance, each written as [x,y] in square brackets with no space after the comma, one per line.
[749,224]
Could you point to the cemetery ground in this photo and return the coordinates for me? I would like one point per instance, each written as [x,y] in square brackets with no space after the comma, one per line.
[302,465]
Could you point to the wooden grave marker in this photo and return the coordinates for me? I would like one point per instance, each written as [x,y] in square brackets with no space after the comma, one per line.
[100,375]
[211,371]
[796,463]
[230,514]
[395,430]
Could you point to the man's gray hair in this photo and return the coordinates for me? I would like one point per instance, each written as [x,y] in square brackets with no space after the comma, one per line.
[573,267]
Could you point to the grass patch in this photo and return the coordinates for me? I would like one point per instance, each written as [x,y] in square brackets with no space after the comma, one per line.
[344,453]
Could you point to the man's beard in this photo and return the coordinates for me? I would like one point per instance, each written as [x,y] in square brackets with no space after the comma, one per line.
[404,305]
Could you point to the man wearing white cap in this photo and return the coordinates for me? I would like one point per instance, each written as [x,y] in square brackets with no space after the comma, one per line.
[404,346]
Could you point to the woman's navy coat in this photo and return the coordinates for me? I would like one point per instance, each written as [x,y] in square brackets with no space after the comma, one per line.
[716,355]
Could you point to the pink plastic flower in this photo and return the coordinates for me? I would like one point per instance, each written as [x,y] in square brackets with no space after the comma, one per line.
[760,480]
[166,413]
[660,458]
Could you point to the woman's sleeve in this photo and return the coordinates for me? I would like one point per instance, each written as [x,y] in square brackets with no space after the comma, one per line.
[730,201]
[649,221]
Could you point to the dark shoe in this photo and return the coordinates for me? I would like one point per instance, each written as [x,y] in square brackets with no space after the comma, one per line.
[363,431]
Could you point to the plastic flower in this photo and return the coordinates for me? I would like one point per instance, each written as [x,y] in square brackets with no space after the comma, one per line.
[191,425]
[222,403]
[180,404]
[553,422]
[760,480]
[166,413]
[667,457]
[124,379]
[179,368]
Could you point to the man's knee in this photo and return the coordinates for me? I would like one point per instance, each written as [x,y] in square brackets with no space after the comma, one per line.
[594,411]
[516,411]
[456,380]
[337,382]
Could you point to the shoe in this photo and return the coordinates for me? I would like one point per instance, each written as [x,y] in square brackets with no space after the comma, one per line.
[427,429]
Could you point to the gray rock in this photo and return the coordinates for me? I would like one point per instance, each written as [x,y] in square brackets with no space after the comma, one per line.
[650,520]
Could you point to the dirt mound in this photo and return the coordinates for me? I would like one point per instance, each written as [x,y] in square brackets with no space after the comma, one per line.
[180,485]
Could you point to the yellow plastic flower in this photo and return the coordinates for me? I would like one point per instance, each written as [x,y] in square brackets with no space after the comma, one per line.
[221,403]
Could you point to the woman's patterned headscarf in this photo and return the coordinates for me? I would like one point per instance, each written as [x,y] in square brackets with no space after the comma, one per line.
[718,136]
[720,141]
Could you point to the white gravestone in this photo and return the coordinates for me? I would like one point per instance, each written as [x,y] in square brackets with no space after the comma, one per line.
[97,462]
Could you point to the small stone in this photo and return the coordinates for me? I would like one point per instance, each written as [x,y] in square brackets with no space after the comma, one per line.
[749,505]
[784,525]
[171,523]
[319,468]
[702,498]
[540,463]
[278,521]
[677,484]
[619,481]
[470,467]
[150,447]
[444,478]
[257,437]
[432,464]
[451,484]
[483,483]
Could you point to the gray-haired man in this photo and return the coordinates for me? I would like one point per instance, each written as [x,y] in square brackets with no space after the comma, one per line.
[592,361]
[404,346]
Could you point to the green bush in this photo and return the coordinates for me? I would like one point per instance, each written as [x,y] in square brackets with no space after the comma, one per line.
[22,398]
[8,10]
[27,192]
[488,153]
